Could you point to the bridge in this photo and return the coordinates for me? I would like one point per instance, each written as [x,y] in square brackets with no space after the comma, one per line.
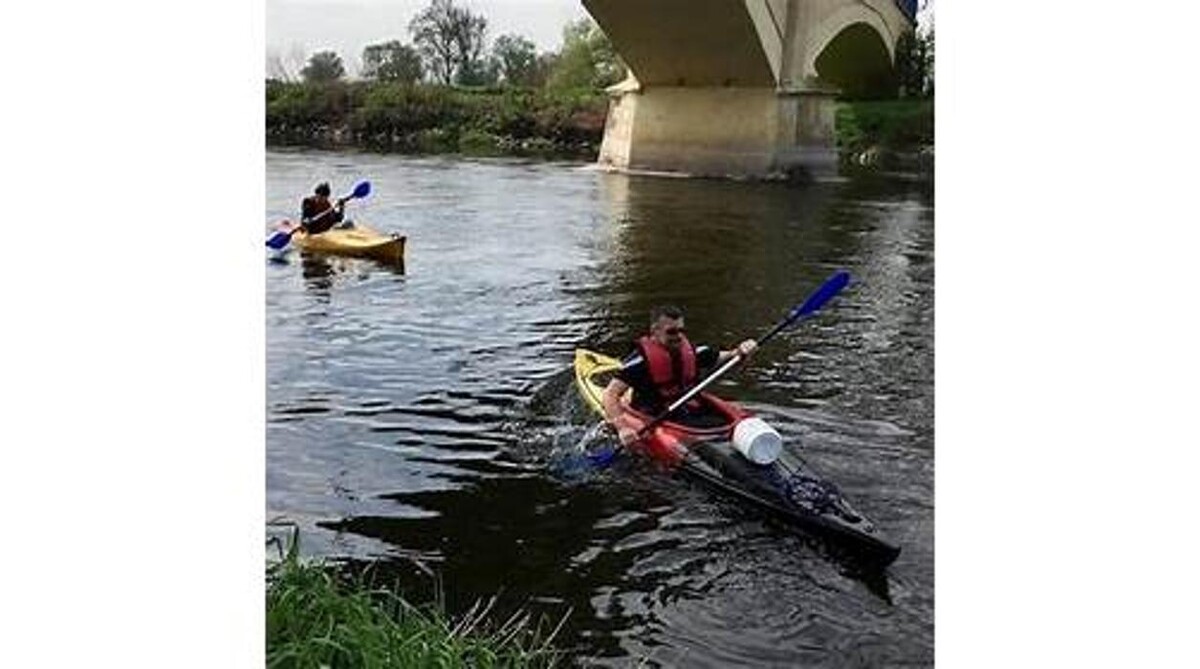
[741,87]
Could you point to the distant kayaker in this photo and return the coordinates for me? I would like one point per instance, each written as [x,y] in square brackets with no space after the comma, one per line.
[661,368]
[317,214]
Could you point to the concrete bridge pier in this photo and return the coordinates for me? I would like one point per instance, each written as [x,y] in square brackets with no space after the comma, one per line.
[809,140]
[720,131]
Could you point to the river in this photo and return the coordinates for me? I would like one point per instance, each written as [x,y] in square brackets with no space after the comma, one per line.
[412,411]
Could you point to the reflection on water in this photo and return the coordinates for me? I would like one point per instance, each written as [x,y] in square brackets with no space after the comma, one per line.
[411,414]
[319,268]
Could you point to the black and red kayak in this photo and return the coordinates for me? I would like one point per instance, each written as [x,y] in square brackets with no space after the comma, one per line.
[714,451]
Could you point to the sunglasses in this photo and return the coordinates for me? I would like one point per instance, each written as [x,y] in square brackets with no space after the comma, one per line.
[674,331]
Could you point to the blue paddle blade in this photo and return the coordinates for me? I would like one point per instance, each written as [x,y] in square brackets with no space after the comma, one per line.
[279,240]
[362,190]
[832,286]
[595,446]
[602,457]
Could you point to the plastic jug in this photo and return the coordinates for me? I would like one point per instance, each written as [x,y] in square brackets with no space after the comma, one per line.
[756,440]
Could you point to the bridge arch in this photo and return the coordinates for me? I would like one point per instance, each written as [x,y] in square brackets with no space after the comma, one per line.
[844,17]
[857,61]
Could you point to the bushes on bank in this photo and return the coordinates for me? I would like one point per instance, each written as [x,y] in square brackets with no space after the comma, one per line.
[885,124]
[435,119]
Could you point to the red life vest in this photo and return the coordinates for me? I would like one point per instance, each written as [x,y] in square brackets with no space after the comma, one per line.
[662,371]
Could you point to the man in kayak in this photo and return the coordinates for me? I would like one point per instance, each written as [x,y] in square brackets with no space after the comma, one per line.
[662,367]
[317,214]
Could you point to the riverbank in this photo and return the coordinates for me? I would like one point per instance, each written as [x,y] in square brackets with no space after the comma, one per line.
[886,134]
[525,122]
[428,119]
[316,618]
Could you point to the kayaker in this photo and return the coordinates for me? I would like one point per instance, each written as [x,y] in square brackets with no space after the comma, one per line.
[317,214]
[661,368]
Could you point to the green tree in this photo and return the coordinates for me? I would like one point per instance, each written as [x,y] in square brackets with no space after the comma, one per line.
[914,64]
[323,66]
[517,58]
[392,61]
[928,79]
[479,72]
[451,41]
[587,59]
[542,69]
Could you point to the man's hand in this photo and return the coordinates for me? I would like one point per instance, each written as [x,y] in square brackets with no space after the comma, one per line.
[627,430]
[747,348]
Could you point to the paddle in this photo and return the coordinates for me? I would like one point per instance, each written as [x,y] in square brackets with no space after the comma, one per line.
[832,286]
[281,238]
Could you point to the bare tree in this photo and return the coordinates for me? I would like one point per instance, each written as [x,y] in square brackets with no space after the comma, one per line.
[295,60]
[451,40]
[276,69]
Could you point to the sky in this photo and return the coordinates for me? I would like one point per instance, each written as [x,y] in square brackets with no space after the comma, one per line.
[297,28]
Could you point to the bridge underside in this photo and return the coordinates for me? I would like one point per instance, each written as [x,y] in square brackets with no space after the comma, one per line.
[737,87]
[685,42]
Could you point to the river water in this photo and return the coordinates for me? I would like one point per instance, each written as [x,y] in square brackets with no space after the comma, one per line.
[413,412]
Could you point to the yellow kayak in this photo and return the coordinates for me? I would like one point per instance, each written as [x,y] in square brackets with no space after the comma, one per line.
[358,242]
[590,369]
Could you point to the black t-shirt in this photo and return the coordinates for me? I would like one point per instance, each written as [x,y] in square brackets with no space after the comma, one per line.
[636,374]
[311,207]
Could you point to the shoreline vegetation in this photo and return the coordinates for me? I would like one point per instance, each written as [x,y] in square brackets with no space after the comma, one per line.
[317,617]
[390,117]
[886,134]
[433,119]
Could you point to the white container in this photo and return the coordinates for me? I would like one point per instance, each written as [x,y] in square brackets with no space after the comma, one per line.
[756,440]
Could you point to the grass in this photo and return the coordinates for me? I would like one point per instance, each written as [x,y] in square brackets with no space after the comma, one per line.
[316,620]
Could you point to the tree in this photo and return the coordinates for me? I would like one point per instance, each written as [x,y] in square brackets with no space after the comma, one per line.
[276,70]
[392,61]
[479,72]
[914,64]
[587,59]
[323,66]
[517,58]
[543,68]
[451,40]
[928,81]
[283,67]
